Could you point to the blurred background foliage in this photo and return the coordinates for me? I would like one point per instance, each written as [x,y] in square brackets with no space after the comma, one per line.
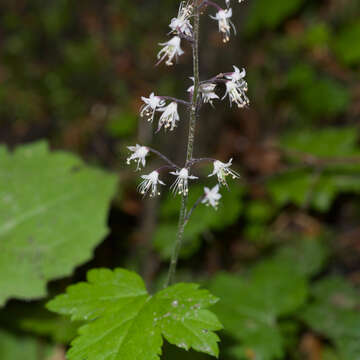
[283,249]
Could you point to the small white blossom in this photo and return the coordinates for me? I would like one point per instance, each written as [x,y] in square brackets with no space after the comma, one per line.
[171,49]
[182,23]
[223,18]
[237,76]
[237,93]
[221,170]
[212,196]
[169,117]
[152,103]
[181,185]
[139,155]
[207,91]
[150,182]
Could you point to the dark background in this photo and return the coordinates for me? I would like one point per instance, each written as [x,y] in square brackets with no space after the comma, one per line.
[73,73]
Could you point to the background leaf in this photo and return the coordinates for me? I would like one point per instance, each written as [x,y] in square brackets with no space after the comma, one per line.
[334,313]
[346,46]
[53,212]
[320,183]
[14,347]
[265,14]
[250,307]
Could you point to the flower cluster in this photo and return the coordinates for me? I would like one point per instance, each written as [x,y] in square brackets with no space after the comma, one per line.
[166,107]
[181,184]
[236,89]
[182,28]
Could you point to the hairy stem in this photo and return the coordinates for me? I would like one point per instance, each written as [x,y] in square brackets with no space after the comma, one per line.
[190,147]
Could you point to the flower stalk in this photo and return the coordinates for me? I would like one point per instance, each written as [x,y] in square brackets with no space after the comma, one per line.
[186,26]
[190,146]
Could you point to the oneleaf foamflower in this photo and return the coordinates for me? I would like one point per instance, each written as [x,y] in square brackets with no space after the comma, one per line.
[150,183]
[181,184]
[207,91]
[151,104]
[139,155]
[225,24]
[212,196]
[237,93]
[181,24]
[221,170]
[171,49]
[169,117]
[237,75]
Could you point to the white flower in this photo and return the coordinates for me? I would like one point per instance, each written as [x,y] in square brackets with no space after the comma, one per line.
[152,103]
[237,93]
[237,76]
[181,23]
[223,17]
[221,170]
[212,196]
[180,185]
[139,155]
[207,92]
[169,116]
[150,181]
[171,49]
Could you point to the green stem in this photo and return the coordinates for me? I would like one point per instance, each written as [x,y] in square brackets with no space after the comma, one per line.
[190,147]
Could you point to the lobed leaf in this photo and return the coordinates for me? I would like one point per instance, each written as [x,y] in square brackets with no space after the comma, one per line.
[128,323]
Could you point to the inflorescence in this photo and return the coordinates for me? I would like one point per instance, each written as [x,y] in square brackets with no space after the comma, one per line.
[236,88]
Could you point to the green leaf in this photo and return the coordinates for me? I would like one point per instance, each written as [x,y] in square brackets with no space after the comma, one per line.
[250,307]
[121,123]
[258,213]
[320,190]
[346,44]
[53,212]
[317,35]
[307,184]
[125,322]
[332,97]
[266,14]
[329,354]
[334,313]
[307,255]
[14,347]
[325,142]
[291,186]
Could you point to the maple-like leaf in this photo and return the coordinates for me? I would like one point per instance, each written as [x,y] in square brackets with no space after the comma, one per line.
[126,323]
